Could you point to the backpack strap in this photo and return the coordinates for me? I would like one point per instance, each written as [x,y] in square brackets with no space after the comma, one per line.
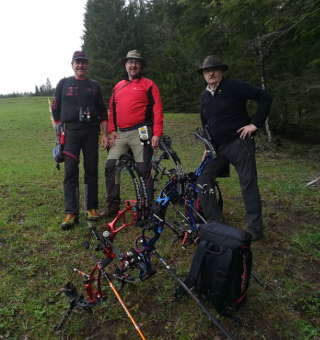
[196,263]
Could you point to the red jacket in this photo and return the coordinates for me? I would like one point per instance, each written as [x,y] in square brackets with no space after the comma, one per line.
[135,102]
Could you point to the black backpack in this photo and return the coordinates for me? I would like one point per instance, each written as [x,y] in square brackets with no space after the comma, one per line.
[221,267]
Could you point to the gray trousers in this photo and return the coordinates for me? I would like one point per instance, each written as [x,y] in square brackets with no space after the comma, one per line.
[241,154]
[142,154]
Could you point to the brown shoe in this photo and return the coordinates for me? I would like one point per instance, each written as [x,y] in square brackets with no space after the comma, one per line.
[92,215]
[69,221]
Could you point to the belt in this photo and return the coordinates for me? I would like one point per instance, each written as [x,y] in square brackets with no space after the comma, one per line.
[134,127]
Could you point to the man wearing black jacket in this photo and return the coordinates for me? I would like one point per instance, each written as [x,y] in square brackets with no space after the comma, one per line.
[79,106]
[224,116]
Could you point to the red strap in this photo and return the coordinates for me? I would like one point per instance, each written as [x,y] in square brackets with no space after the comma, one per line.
[70,155]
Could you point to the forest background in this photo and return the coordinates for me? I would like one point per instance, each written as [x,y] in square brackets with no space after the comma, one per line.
[270,43]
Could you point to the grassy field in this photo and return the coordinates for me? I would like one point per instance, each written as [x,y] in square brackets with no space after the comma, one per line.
[36,257]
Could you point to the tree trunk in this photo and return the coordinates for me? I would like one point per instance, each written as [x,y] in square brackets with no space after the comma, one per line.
[268,131]
[263,86]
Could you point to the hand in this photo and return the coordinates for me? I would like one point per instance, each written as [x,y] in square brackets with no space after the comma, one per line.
[247,131]
[104,141]
[155,141]
[112,136]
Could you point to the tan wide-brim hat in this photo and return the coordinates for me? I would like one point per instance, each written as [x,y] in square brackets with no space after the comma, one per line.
[212,61]
[134,54]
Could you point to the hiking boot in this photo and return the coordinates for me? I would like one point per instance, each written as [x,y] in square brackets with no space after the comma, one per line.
[92,215]
[256,234]
[69,221]
[112,209]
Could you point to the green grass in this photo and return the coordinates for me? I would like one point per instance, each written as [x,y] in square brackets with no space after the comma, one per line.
[36,257]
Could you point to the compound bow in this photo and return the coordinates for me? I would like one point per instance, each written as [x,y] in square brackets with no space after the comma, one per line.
[180,186]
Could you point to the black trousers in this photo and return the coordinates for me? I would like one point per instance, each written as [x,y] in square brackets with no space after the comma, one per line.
[241,154]
[85,139]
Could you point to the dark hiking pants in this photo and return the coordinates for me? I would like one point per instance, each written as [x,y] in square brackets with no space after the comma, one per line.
[85,139]
[241,154]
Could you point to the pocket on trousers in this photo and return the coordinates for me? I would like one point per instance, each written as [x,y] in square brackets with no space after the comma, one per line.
[249,146]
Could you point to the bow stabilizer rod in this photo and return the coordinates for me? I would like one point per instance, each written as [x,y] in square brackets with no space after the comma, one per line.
[192,295]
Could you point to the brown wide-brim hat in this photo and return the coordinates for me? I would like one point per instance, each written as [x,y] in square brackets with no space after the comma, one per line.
[134,54]
[212,61]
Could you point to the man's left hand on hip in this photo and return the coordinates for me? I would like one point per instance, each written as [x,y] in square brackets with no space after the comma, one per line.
[247,131]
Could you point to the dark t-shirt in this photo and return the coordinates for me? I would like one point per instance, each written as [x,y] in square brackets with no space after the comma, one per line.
[73,95]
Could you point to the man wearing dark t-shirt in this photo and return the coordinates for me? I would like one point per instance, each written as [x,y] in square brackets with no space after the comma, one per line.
[79,107]
[224,116]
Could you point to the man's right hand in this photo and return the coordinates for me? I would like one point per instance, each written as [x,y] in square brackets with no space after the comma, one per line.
[112,138]
[104,141]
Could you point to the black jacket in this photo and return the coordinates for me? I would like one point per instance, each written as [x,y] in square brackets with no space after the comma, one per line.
[223,113]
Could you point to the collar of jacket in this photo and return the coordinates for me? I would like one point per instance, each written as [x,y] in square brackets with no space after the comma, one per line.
[218,88]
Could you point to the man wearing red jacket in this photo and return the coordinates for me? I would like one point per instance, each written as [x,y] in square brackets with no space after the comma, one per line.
[135,122]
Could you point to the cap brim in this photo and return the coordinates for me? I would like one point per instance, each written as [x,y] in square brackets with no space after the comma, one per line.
[223,68]
[143,62]
[86,59]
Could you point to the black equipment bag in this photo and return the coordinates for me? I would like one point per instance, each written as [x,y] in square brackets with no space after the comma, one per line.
[221,267]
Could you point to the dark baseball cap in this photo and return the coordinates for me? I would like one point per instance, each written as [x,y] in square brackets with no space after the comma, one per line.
[79,55]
